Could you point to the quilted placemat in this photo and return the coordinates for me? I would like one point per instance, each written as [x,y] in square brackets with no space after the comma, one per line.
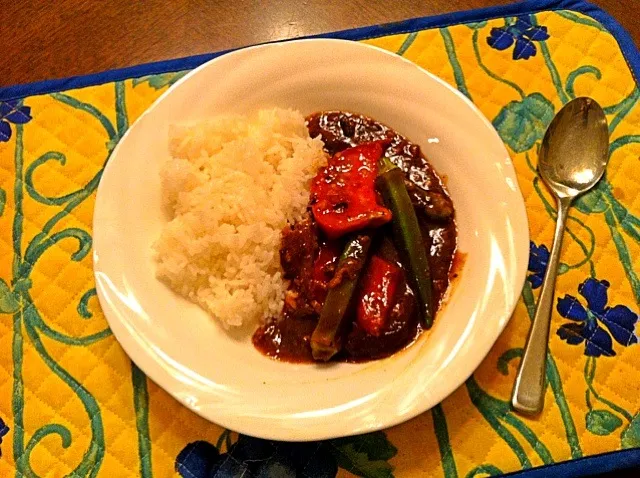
[72,403]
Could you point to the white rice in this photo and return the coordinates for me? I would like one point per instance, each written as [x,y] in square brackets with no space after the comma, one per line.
[231,185]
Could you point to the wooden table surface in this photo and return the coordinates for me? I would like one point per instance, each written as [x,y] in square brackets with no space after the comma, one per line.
[55,39]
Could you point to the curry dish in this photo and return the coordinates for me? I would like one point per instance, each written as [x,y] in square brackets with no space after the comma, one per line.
[372,259]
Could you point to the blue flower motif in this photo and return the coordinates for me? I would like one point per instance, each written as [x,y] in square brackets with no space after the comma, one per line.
[538,262]
[12,112]
[254,457]
[619,320]
[523,34]
[4,429]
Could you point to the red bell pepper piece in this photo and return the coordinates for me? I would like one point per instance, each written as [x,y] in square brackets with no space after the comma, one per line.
[379,284]
[343,195]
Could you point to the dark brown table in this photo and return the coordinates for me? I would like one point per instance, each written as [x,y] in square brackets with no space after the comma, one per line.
[55,39]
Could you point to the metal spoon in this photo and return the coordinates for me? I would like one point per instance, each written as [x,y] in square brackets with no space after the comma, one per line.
[573,158]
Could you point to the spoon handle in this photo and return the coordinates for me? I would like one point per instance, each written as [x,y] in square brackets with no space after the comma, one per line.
[528,392]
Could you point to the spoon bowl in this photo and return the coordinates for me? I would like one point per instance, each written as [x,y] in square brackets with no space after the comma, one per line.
[575,148]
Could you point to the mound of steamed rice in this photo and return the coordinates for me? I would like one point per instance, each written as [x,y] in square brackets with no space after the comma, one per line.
[232,184]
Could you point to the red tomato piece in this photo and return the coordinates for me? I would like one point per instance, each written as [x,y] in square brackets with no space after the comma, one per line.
[343,195]
[379,285]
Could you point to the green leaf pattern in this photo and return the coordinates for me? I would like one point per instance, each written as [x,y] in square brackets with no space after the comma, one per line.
[631,434]
[8,301]
[521,124]
[602,422]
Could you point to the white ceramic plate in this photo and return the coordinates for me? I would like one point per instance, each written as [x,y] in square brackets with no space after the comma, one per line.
[224,378]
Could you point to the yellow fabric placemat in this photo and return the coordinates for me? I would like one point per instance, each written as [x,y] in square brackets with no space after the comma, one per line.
[72,404]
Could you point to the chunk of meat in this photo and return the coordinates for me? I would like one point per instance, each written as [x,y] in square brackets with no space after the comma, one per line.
[298,248]
[441,242]
[297,256]
[324,269]
[434,205]
[340,130]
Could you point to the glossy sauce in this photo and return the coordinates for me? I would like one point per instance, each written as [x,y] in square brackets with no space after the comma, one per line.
[288,338]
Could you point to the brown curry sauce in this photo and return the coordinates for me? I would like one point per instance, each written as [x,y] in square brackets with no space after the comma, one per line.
[287,338]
